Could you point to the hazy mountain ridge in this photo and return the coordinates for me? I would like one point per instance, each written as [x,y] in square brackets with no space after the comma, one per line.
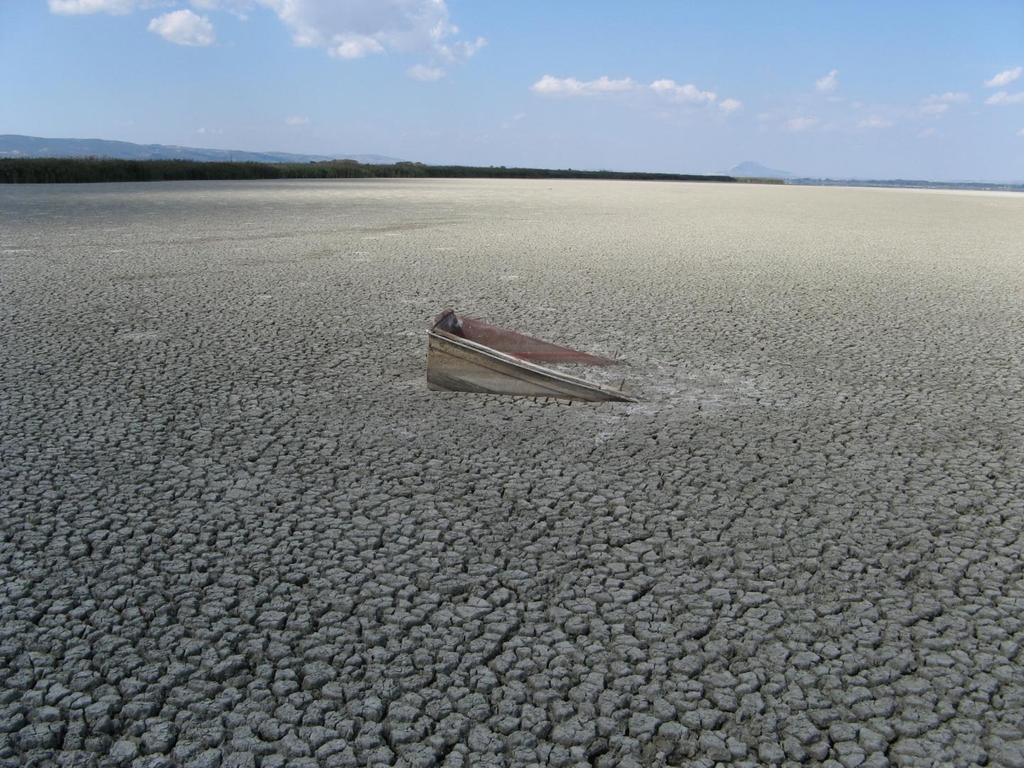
[14,145]
[751,170]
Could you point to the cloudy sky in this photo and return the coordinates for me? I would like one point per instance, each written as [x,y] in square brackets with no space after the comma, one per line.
[910,89]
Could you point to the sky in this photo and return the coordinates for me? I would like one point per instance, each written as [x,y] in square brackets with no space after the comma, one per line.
[915,89]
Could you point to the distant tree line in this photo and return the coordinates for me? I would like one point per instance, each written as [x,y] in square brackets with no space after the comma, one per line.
[501,172]
[759,180]
[79,170]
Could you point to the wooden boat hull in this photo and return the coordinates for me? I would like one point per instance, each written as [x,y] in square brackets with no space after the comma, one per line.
[456,364]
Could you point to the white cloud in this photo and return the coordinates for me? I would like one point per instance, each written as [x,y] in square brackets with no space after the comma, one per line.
[345,29]
[351,29]
[829,82]
[511,123]
[184,28]
[297,120]
[688,92]
[570,86]
[1002,97]
[938,104]
[239,8]
[76,7]
[949,97]
[799,124]
[1003,79]
[1020,132]
[606,85]
[875,122]
[461,51]
[347,46]
[929,132]
[425,73]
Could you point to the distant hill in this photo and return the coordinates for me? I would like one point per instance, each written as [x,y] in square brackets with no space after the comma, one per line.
[13,145]
[750,169]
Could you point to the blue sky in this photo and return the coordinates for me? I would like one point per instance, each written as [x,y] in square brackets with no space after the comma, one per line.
[927,90]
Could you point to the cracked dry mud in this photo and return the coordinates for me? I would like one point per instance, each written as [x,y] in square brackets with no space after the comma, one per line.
[237,530]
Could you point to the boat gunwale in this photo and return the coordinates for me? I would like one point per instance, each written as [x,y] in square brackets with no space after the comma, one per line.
[539,370]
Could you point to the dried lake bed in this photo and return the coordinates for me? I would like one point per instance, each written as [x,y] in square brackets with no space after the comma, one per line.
[237,530]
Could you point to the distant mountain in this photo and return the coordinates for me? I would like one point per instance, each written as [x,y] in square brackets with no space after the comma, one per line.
[12,145]
[750,169]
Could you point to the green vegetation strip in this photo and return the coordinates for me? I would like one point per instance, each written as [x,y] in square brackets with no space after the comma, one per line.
[85,170]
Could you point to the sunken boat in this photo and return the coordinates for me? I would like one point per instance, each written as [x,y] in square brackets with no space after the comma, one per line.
[467,355]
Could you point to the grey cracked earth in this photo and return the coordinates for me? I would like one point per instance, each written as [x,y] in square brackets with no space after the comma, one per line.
[237,530]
